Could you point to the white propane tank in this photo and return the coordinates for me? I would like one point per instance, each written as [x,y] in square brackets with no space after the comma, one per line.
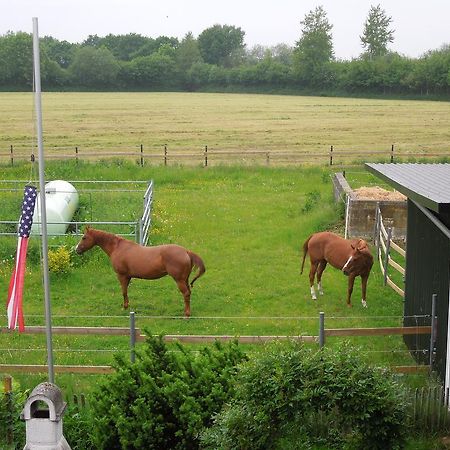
[61,202]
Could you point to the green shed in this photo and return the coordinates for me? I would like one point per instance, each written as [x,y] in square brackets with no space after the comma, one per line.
[427,187]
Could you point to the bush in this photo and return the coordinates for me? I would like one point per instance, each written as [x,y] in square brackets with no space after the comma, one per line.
[165,398]
[10,425]
[59,260]
[296,398]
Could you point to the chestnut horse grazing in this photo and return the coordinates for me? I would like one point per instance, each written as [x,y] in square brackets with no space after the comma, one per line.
[353,257]
[131,260]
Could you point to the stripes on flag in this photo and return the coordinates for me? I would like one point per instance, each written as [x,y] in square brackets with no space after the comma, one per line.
[15,291]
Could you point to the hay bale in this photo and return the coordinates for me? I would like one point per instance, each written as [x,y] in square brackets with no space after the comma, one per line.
[378,193]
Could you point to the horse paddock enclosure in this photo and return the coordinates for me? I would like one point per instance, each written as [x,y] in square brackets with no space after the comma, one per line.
[248,224]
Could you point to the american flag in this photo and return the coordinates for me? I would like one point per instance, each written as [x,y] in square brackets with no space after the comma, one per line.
[14,303]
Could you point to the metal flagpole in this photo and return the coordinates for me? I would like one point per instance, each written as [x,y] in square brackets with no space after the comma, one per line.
[38,106]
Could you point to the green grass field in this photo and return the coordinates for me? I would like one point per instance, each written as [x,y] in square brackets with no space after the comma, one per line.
[186,122]
[248,224]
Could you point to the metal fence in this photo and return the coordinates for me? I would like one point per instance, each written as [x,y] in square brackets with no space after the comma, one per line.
[140,228]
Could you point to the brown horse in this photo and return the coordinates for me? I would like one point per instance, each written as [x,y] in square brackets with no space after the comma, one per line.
[353,257]
[131,260]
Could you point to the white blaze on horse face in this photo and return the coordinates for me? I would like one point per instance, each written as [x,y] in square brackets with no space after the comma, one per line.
[313,293]
[347,263]
[319,287]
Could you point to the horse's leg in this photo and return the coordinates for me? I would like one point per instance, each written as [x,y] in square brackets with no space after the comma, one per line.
[364,289]
[183,286]
[312,274]
[351,282]
[124,282]
[320,270]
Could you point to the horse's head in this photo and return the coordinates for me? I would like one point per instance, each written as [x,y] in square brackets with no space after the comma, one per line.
[86,242]
[360,260]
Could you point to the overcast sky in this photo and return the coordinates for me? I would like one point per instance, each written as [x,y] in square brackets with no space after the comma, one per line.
[419,25]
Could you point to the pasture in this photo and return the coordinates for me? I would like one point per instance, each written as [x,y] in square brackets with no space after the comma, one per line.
[186,122]
[248,224]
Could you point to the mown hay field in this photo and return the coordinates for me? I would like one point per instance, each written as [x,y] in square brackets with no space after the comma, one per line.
[187,122]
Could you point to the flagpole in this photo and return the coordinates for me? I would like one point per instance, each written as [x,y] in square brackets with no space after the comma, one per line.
[43,224]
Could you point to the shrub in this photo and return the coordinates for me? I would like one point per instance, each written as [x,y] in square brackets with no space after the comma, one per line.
[312,199]
[10,425]
[297,397]
[165,398]
[59,260]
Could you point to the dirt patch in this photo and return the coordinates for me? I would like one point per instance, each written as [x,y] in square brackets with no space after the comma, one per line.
[378,193]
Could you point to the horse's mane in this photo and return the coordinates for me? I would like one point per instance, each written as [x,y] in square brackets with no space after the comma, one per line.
[104,235]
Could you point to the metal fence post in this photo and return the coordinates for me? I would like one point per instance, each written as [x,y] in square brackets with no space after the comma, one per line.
[142,155]
[12,155]
[206,156]
[347,216]
[433,328]
[375,227]
[386,256]
[331,155]
[321,329]
[165,154]
[392,153]
[76,154]
[132,336]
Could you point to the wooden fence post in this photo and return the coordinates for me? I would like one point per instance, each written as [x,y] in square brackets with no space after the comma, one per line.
[142,155]
[331,155]
[165,154]
[12,155]
[386,256]
[76,154]
[206,156]
[392,153]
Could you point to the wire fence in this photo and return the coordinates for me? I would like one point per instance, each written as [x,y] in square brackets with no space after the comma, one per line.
[116,338]
[207,155]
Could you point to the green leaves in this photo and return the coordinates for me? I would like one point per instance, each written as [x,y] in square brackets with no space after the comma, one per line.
[165,398]
[295,397]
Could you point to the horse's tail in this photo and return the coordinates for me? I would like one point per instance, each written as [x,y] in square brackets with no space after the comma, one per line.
[196,261]
[305,252]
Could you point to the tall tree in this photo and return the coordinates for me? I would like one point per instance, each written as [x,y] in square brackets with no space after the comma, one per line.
[377,33]
[314,50]
[94,67]
[188,53]
[219,43]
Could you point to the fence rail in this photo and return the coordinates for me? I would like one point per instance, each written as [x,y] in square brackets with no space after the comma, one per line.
[205,156]
[384,245]
[136,335]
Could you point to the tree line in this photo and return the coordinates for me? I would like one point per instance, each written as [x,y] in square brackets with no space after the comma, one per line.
[217,59]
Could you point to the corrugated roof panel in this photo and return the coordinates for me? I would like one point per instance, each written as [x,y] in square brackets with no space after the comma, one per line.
[427,184]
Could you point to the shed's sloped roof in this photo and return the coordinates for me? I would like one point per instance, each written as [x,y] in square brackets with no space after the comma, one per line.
[426,184]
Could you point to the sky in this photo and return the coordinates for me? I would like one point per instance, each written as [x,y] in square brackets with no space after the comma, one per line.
[419,26]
